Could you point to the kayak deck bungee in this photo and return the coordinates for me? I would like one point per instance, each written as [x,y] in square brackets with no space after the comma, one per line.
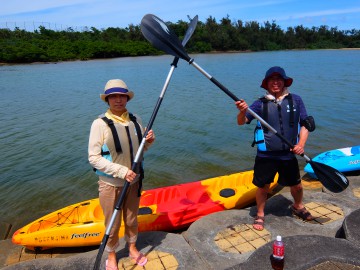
[161,209]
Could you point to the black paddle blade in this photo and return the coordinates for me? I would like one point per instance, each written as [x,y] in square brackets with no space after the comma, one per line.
[190,30]
[162,37]
[188,34]
[331,178]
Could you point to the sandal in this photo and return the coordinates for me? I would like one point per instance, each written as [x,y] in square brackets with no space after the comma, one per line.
[139,258]
[110,267]
[258,220]
[302,213]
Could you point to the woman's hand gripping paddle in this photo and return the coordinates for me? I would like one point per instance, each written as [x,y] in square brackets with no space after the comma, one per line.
[163,38]
[139,153]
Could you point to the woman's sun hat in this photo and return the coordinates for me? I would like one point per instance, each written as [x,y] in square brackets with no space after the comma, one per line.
[116,86]
[276,71]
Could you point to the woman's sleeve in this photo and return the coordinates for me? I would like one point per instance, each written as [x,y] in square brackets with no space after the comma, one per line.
[96,160]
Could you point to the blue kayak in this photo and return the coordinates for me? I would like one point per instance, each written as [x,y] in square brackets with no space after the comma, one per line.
[344,159]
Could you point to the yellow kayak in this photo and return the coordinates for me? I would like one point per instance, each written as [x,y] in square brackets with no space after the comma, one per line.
[161,209]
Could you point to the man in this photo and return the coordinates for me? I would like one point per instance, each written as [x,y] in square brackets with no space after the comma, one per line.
[286,113]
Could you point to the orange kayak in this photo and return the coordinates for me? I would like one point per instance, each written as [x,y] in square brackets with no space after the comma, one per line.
[161,209]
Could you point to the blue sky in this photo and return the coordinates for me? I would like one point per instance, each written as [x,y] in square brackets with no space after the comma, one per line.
[345,14]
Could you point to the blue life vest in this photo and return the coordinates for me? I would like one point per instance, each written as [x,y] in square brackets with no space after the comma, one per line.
[284,118]
[105,152]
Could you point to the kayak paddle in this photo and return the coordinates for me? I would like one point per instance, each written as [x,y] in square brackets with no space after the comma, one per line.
[139,153]
[164,39]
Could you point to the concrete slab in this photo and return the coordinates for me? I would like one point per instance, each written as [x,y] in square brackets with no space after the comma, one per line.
[352,227]
[280,221]
[307,251]
[78,262]
[169,243]
[331,265]
[172,251]
[9,253]
[202,235]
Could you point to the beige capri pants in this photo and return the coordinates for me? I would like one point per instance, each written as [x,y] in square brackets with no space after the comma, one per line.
[108,196]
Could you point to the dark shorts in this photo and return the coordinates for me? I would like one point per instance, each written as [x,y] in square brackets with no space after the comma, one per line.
[265,170]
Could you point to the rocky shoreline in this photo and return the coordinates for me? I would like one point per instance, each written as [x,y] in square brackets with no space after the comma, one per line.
[226,240]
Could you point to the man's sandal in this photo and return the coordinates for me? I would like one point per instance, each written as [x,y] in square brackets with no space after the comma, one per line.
[302,213]
[259,223]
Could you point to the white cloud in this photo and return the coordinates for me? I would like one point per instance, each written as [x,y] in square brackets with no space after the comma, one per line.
[320,13]
[24,6]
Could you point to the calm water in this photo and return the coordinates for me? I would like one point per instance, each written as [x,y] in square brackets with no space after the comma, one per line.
[46,111]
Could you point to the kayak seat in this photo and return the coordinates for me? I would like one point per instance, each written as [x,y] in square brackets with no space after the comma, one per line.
[227,192]
[98,212]
[197,195]
[160,196]
[145,211]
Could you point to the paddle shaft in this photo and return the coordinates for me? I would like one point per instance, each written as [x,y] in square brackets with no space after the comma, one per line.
[235,98]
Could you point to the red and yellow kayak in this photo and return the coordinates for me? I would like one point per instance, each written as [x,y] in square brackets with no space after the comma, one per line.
[161,209]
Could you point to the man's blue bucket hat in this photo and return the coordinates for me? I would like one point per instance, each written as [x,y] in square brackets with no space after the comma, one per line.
[276,71]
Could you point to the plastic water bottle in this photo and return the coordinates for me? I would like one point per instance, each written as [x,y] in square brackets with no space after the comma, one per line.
[277,258]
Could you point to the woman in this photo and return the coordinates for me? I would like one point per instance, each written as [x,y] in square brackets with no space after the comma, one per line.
[113,143]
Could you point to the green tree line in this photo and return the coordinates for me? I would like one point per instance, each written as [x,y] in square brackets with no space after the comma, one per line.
[45,45]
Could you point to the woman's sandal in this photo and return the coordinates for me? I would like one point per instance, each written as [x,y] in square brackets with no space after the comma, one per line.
[110,267]
[139,258]
[302,213]
[259,221]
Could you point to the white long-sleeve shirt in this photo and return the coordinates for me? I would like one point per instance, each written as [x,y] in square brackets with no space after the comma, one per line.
[101,134]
